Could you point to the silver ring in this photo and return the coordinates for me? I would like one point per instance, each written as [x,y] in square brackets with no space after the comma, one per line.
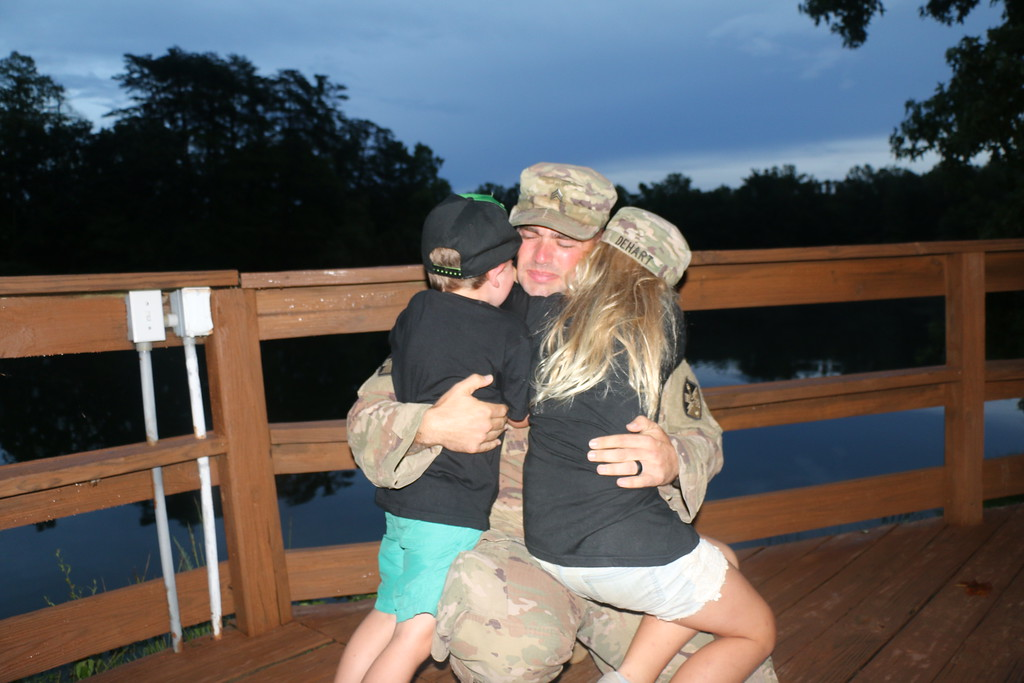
[639,468]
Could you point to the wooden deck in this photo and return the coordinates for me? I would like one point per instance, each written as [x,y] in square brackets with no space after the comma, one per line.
[918,601]
[847,604]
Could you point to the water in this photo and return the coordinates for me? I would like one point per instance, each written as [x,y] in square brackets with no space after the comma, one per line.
[790,456]
[118,547]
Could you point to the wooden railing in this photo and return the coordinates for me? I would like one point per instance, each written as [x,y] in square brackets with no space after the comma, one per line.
[260,580]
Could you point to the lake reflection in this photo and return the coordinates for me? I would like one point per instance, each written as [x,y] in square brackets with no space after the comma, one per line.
[790,456]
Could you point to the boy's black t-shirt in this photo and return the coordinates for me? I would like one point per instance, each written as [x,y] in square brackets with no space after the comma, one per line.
[577,518]
[439,339]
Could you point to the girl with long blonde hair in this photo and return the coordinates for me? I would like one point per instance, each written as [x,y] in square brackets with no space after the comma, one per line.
[602,356]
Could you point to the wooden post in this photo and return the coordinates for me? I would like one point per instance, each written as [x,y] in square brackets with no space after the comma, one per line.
[965,403]
[252,523]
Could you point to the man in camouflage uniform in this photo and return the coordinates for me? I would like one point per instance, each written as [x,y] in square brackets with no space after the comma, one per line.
[502,618]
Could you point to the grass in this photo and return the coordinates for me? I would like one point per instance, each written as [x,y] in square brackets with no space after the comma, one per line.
[90,666]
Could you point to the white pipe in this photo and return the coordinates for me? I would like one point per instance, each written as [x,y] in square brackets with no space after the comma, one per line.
[195,394]
[148,394]
[210,541]
[163,533]
[205,488]
[166,559]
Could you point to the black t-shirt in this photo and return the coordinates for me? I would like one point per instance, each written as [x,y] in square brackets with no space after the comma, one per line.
[439,339]
[575,517]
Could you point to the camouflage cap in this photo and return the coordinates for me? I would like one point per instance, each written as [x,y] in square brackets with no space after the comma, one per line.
[651,240]
[573,200]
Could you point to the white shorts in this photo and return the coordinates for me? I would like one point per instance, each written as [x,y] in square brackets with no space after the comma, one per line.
[676,590]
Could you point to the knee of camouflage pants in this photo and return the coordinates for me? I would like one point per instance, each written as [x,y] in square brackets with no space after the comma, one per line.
[503,618]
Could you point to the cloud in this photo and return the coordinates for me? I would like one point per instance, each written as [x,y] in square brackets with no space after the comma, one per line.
[706,88]
[785,37]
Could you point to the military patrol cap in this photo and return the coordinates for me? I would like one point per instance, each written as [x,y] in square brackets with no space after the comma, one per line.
[573,200]
[651,240]
[478,230]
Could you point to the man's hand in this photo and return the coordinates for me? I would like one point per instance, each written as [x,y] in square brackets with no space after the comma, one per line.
[460,422]
[647,444]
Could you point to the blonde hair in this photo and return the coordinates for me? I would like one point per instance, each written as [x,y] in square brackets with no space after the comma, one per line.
[449,258]
[616,313]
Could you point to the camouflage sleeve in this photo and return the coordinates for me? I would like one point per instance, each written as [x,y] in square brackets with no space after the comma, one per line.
[697,437]
[382,432]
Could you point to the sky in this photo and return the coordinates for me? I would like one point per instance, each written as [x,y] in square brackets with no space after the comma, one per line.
[711,89]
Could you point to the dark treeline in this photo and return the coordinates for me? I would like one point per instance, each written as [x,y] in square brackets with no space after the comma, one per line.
[216,166]
[212,166]
[780,207]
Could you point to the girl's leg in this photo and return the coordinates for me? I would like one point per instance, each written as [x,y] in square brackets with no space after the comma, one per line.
[744,629]
[369,640]
[408,649]
[655,643]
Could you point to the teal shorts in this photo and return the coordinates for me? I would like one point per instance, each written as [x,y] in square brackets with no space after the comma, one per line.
[414,559]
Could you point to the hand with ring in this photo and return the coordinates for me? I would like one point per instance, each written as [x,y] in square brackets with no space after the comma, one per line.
[643,457]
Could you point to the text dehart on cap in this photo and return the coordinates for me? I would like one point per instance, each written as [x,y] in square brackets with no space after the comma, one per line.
[631,248]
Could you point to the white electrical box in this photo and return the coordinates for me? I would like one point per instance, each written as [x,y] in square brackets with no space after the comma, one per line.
[190,307]
[145,316]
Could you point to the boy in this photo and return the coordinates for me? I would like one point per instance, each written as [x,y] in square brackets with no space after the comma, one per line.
[446,333]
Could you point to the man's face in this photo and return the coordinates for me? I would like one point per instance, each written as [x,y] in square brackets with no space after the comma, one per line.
[547,258]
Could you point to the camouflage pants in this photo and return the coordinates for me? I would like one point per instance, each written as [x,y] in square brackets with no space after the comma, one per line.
[503,619]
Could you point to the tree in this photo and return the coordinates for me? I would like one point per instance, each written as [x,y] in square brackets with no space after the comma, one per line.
[41,144]
[980,110]
[232,169]
[211,104]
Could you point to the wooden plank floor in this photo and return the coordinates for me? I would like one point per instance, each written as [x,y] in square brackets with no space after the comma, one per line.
[908,602]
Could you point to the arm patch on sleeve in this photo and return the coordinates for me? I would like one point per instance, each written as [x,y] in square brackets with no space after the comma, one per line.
[693,402]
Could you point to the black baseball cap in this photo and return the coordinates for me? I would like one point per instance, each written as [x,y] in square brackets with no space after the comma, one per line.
[478,230]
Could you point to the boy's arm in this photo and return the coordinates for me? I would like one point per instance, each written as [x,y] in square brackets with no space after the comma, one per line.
[394,443]
[516,369]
